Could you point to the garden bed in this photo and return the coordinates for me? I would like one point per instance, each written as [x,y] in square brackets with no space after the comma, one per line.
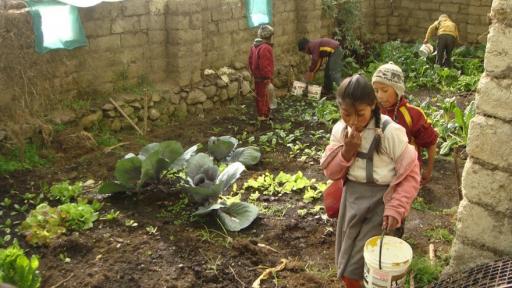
[146,239]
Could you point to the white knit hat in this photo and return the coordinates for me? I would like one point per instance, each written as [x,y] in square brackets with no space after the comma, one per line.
[265,31]
[391,75]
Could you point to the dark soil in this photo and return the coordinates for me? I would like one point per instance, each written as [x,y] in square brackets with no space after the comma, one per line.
[200,254]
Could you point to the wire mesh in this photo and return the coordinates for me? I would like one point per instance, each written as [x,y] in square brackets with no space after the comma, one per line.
[497,274]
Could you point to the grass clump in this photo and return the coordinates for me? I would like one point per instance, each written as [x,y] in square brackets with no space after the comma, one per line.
[12,160]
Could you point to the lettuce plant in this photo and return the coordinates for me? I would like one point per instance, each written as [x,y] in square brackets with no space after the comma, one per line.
[65,192]
[224,149]
[45,223]
[77,216]
[206,186]
[42,225]
[133,171]
[18,269]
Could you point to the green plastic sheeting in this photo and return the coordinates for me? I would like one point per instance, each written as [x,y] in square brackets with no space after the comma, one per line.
[56,26]
[258,12]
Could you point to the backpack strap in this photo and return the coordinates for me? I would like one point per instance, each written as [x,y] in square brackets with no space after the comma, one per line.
[407,116]
[368,156]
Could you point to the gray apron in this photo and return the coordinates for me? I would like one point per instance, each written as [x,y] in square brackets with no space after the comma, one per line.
[359,218]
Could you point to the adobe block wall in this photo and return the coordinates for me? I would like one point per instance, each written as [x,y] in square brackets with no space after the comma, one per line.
[484,220]
[408,20]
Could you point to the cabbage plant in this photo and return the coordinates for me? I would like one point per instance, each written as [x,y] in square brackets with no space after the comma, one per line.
[224,149]
[133,171]
[206,186]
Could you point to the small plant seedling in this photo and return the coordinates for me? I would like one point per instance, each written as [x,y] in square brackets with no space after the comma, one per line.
[152,230]
[420,204]
[130,223]
[112,215]
[64,258]
[439,234]
[6,202]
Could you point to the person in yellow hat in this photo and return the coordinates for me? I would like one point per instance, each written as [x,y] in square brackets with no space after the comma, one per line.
[447,36]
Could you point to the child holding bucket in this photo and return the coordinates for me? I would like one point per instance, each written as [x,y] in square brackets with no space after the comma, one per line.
[261,65]
[371,154]
[388,83]
[447,36]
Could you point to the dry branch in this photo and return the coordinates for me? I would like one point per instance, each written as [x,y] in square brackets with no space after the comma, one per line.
[125,116]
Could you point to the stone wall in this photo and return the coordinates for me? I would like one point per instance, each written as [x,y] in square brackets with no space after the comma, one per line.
[484,224]
[165,41]
[408,20]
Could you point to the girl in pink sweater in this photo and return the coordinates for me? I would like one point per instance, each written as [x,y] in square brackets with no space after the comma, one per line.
[371,154]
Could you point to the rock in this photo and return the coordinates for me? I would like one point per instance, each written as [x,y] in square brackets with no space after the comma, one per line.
[153,114]
[175,98]
[116,125]
[221,83]
[171,109]
[108,107]
[246,75]
[199,110]
[136,105]
[223,95]
[165,94]
[191,109]
[62,117]
[216,99]
[163,119]
[238,65]
[111,114]
[234,77]
[181,110]
[15,5]
[246,88]
[156,97]
[3,134]
[140,115]
[184,95]
[208,72]
[196,96]
[128,98]
[232,89]
[176,90]
[128,110]
[207,105]
[91,119]
[210,91]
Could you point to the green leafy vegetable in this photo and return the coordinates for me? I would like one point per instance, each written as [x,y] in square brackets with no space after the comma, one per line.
[17,269]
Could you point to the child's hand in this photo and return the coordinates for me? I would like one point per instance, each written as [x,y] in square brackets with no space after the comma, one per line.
[389,223]
[352,143]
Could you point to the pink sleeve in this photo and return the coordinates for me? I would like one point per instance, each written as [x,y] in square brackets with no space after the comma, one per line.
[404,189]
[333,164]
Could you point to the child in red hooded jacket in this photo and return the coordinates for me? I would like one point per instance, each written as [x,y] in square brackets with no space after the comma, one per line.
[388,83]
[261,65]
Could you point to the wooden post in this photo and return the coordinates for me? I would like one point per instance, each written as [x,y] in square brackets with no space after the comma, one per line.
[431,253]
[145,110]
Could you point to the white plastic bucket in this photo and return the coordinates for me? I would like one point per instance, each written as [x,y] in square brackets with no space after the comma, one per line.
[426,50]
[395,260]
[272,96]
[298,88]
[314,91]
